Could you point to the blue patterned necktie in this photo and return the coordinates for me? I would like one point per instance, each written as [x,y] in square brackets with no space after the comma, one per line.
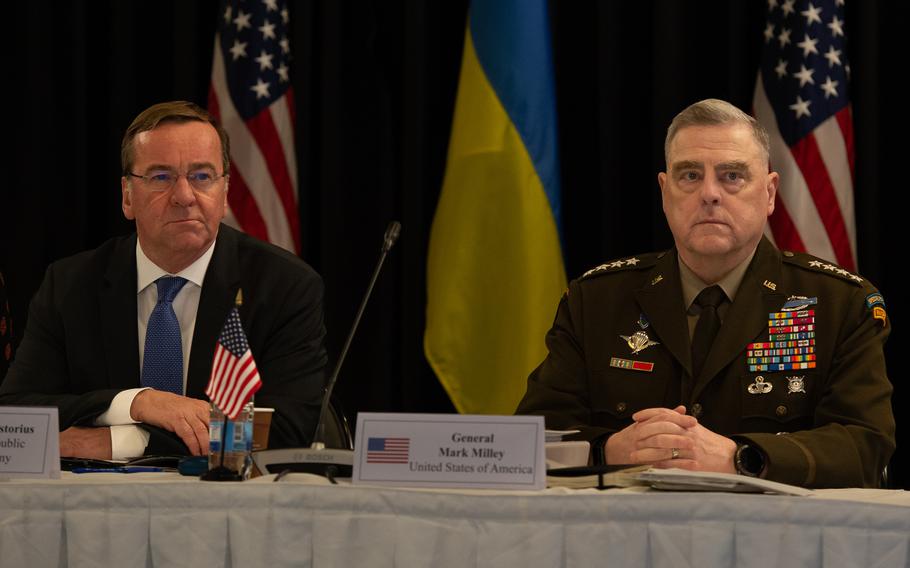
[162,364]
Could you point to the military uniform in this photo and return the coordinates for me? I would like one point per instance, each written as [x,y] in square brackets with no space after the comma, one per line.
[822,417]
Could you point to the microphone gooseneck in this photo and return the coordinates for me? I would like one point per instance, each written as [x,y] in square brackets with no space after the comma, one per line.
[388,241]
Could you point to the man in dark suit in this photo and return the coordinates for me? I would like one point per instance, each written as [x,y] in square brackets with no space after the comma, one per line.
[93,340]
[722,354]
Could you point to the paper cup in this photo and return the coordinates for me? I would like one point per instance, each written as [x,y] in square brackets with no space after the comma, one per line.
[262,420]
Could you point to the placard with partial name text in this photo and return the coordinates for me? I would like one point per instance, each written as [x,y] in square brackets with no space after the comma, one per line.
[29,442]
[450,450]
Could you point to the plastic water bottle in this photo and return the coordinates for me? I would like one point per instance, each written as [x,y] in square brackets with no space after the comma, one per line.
[238,440]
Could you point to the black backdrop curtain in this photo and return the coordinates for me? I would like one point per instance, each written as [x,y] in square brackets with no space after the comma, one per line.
[375,87]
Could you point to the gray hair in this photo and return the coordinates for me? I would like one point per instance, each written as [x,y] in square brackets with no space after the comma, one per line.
[712,112]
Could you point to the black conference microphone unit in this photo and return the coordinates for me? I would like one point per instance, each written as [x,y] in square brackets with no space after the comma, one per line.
[331,462]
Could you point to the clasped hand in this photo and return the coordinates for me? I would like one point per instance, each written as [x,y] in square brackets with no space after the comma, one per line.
[659,433]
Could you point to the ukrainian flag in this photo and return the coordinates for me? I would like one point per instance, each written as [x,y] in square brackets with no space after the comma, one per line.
[495,271]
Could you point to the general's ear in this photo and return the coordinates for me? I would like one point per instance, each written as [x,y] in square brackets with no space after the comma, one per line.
[772,184]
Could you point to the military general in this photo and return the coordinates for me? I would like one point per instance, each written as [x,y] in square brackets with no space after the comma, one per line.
[723,354]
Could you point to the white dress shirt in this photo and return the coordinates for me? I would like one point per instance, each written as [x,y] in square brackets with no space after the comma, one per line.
[128,440]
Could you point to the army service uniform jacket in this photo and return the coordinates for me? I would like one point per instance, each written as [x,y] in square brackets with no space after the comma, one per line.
[828,424]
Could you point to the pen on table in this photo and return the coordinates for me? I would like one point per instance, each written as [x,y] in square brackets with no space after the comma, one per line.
[130,469]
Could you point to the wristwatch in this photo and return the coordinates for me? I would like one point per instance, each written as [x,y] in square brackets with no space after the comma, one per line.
[748,460]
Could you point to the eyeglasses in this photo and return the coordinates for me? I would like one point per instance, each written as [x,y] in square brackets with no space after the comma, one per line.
[201,180]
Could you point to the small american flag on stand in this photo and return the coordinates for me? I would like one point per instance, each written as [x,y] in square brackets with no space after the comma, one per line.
[234,377]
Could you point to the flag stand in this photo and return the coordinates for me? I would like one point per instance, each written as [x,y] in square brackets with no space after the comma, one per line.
[222,473]
[231,346]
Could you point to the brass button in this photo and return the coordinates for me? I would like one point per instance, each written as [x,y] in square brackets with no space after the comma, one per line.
[620,407]
[781,410]
[696,410]
[787,253]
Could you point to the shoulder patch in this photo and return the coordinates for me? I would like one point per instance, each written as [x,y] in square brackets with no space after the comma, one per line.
[815,264]
[876,304]
[875,299]
[640,261]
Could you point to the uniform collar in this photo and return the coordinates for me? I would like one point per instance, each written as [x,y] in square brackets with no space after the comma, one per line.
[692,285]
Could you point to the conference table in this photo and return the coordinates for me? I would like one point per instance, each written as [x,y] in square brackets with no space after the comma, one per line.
[162,519]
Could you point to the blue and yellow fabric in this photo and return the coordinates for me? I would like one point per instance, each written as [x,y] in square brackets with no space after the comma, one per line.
[495,269]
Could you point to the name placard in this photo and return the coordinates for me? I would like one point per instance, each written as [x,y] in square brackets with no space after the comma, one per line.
[450,450]
[29,442]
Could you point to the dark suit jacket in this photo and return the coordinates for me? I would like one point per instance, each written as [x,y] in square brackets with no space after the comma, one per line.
[839,432]
[81,346]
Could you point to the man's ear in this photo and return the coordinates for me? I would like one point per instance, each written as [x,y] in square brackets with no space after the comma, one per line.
[126,203]
[773,184]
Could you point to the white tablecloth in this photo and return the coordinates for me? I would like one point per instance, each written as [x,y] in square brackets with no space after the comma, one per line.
[160,520]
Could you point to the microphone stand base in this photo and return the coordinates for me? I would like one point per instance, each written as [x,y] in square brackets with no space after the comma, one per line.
[338,462]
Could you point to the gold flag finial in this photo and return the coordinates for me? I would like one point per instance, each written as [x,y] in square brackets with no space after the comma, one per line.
[238,301]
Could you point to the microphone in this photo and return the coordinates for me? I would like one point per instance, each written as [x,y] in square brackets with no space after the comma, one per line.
[331,462]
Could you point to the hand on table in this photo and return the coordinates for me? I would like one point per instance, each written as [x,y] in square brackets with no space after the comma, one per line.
[184,416]
[79,442]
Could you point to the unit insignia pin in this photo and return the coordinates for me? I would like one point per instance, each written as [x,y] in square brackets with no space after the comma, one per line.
[796,384]
[643,321]
[760,386]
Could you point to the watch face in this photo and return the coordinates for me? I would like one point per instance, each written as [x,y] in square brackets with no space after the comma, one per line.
[748,461]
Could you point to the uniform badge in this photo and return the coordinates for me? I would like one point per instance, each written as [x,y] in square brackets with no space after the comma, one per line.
[631,365]
[876,303]
[798,303]
[878,313]
[638,341]
[791,340]
[643,321]
[796,384]
[760,386]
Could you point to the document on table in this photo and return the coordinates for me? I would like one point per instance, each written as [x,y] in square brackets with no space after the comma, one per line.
[682,480]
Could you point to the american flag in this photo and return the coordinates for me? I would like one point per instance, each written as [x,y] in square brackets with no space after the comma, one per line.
[234,377]
[251,95]
[801,97]
[388,450]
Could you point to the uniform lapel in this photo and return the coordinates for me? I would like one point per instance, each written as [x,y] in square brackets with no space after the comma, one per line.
[748,315]
[661,301]
[222,279]
[117,301]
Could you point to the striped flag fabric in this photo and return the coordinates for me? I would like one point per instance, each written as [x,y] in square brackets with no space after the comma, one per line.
[495,270]
[234,378]
[802,99]
[388,450]
[251,95]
